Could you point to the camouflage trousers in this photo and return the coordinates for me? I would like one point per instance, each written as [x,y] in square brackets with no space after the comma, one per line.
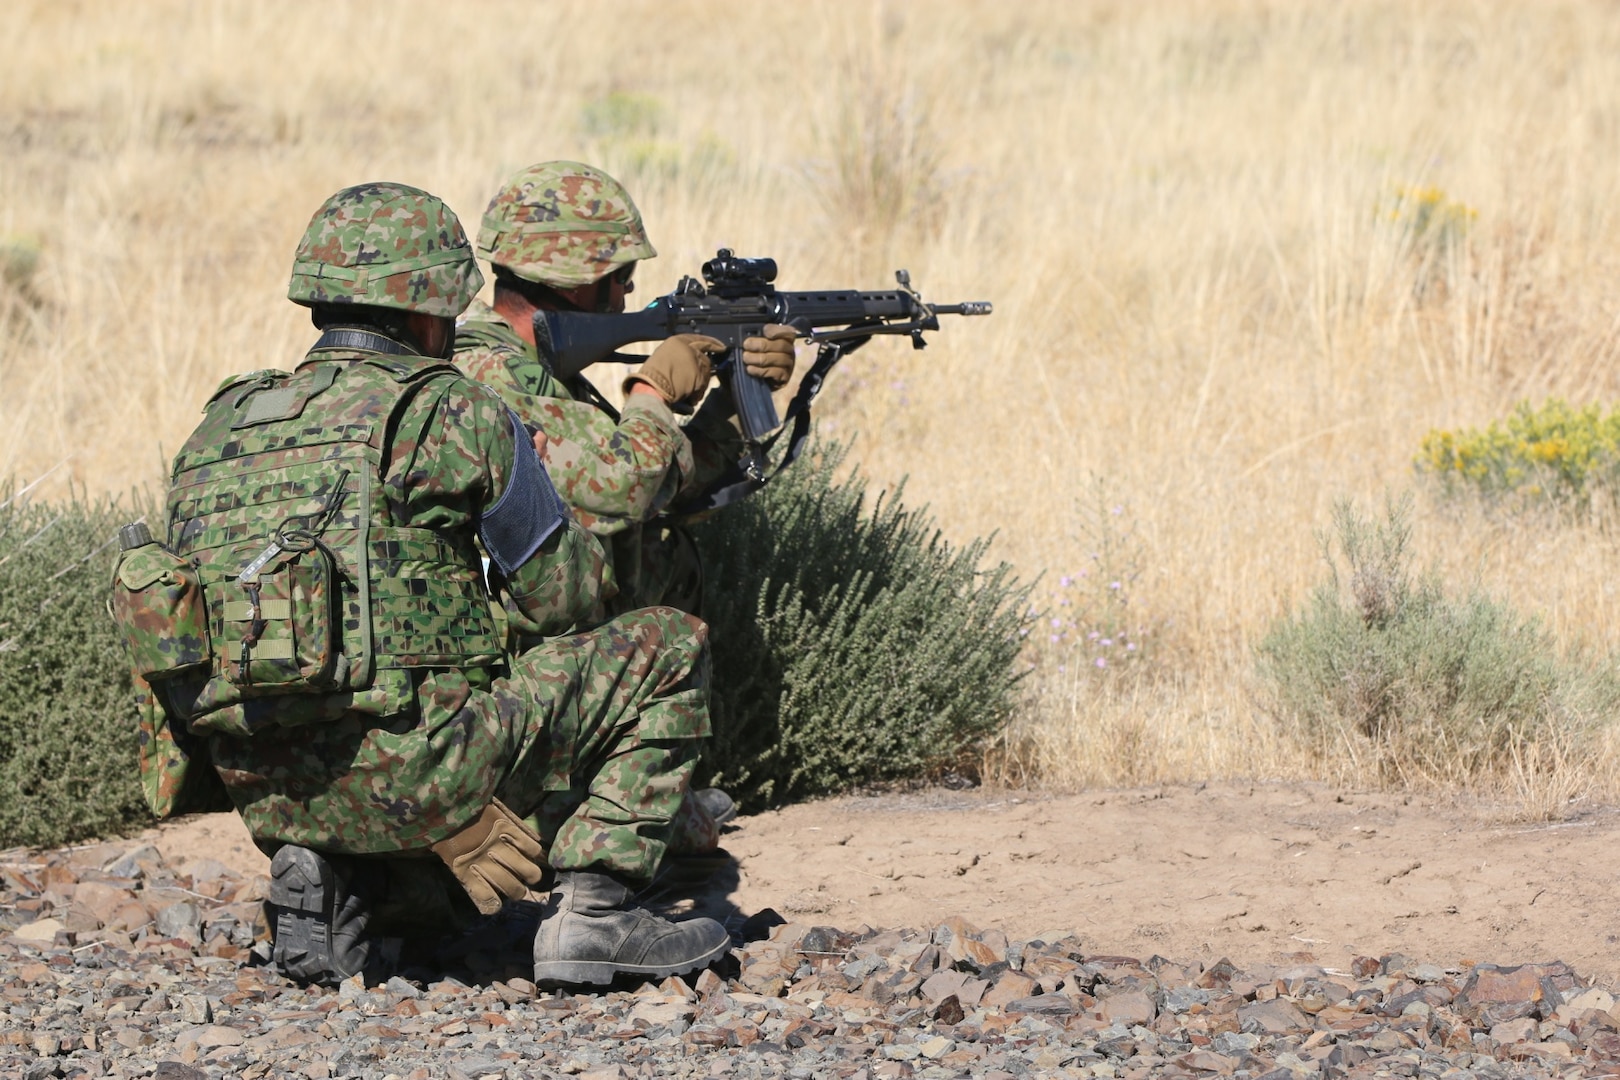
[659,564]
[608,727]
[611,722]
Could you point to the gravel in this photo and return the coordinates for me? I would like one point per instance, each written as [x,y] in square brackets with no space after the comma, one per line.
[113,963]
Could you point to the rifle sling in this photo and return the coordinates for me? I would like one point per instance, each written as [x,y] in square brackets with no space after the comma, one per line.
[739,486]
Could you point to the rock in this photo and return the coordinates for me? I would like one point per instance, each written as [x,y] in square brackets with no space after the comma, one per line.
[1182,998]
[1218,975]
[1010,987]
[972,993]
[1234,1043]
[40,931]
[202,871]
[1130,1008]
[1045,1005]
[1207,1061]
[136,863]
[825,941]
[943,984]
[662,1013]
[852,1003]
[130,916]
[101,900]
[179,920]
[1514,1031]
[1594,998]
[218,1035]
[1277,1017]
[403,988]
[196,1009]
[1523,990]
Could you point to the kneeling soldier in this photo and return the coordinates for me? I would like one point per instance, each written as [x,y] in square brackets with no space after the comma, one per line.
[317,625]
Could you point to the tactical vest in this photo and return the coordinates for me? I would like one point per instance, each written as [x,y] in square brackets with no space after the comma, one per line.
[310,586]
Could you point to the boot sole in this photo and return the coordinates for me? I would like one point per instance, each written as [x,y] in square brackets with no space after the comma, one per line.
[558,973]
[301,885]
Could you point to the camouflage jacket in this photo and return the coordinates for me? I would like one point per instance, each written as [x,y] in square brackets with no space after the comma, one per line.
[615,475]
[399,760]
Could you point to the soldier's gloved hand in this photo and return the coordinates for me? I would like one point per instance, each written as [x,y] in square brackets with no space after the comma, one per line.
[679,369]
[496,858]
[770,356]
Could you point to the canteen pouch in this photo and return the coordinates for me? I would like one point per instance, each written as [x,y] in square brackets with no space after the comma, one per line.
[157,602]
[277,625]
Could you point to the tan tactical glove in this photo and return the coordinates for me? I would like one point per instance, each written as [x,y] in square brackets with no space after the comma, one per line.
[770,356]
[679,368]
[496,858]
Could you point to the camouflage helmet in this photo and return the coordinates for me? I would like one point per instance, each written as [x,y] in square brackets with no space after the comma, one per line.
[563,224]
[386,245]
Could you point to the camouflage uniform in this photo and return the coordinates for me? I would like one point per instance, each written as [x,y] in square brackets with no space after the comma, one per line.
[567,224]
[616,475]
[598,729]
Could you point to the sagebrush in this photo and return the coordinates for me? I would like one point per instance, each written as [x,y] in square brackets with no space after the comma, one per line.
[1386,677]
[852,644]
[67,730]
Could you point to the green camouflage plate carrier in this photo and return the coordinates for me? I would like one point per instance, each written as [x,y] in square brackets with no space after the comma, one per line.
[594,735]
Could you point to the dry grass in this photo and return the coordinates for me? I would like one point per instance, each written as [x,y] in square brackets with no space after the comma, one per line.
[1182,211]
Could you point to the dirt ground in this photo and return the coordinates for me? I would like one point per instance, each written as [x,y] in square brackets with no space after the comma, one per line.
[1260,873]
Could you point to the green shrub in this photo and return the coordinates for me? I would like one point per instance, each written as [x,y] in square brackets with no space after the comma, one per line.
[851,643]
[67,729]
[1387,677]
[1557,454]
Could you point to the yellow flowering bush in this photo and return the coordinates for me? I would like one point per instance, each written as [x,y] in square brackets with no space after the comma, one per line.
[1556,453]
[1429,217]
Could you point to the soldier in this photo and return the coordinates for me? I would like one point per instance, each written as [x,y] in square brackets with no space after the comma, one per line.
[329,635]
[566,236]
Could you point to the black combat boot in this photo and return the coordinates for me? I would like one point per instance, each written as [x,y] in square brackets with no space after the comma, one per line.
[319,909]
[589,935]
[720,806]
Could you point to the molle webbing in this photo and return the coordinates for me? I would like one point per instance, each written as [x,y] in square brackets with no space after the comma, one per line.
[408,597]
[428,604]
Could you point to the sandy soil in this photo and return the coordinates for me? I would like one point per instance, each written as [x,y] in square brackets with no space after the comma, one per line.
[1256,872]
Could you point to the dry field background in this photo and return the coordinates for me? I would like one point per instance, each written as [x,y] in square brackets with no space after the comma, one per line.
[1210,319]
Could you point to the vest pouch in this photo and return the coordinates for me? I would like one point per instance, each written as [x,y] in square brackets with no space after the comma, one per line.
[278,631]
[157,602]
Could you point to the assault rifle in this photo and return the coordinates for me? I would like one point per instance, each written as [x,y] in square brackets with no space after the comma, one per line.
[735,300]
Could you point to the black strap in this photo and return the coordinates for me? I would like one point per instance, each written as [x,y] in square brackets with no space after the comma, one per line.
[736,483]
[349,337]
